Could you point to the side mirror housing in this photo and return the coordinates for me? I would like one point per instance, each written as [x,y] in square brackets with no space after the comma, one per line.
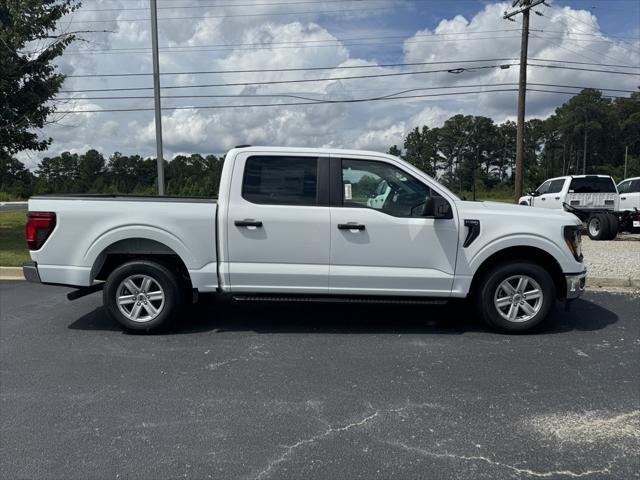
[437,207]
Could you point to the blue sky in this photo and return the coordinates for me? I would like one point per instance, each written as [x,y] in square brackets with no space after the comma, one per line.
[261,34]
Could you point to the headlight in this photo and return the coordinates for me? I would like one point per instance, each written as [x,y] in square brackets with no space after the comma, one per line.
[573,237]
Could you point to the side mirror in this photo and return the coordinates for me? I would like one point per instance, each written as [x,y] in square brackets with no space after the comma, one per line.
[436,207]
[533,193]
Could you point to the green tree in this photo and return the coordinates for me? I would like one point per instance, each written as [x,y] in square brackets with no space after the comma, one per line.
[15,179]
[29,43]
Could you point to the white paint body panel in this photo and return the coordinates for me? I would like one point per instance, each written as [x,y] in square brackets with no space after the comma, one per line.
[299,248]
[629,200]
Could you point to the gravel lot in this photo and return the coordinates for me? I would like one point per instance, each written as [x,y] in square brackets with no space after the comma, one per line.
[619,258]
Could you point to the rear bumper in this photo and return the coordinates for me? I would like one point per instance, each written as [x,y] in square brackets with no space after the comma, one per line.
[30,272]
[575,284]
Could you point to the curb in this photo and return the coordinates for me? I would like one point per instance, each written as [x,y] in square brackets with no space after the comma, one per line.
[613,282]
[11,273]
[15,273]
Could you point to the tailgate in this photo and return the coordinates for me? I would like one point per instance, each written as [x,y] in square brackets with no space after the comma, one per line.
[593,200]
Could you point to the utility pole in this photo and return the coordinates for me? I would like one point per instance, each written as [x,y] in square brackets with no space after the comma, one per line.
[156,95]
[626,154]
[584,151]
[525,7]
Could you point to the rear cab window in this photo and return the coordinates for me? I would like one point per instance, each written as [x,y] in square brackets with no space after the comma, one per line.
[592,184]
[281,180]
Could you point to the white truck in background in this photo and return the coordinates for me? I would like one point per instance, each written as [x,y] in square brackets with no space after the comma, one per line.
[629,191]
[593,198]
[296,223]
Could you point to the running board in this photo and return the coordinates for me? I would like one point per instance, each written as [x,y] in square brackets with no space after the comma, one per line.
[328,299]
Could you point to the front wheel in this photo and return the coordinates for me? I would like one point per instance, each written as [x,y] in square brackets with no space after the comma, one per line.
[142,296]
[515,296]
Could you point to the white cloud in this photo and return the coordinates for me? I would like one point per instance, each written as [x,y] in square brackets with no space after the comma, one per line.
[376,125]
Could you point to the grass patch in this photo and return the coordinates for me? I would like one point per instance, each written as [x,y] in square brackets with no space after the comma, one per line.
[13,247]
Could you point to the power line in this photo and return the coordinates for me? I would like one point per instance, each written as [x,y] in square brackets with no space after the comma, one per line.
[336,44]
[301,97]
[354,100]
[231,5]
[296,69]
[270,14]
[342,67]
[287,104]
[296,42]
[301,80]
[351,77]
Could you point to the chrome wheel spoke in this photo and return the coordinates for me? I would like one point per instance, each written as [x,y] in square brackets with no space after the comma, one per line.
[528,309]
[508,288]
[146,284]
[130,285]
[126,299]
[513,312]
[155,295]
[533,294]
[135,311]
[522,284]
[151,310]
[503,302]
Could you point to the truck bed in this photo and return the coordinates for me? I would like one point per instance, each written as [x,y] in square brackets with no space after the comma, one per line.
[90,227]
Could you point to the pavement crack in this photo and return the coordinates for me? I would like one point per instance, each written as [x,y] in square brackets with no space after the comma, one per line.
[478,458]
[290,449]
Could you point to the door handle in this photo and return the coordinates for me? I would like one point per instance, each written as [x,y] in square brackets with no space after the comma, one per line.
[623,198]
[248,223]
[543,199]
[350,226]
[557,198]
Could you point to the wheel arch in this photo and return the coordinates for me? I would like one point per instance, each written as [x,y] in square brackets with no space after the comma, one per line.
[533,254]
[122,251]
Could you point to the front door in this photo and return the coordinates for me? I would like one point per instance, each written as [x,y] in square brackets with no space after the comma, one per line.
[278,224]
[380,243]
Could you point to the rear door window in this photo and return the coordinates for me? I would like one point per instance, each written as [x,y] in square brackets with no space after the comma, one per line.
[634,187]
[592,185]
[275,180]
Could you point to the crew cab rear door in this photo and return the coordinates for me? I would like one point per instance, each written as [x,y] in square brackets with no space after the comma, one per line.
[277,224]
[385,247]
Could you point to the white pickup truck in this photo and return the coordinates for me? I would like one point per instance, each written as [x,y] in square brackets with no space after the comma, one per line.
[297,224]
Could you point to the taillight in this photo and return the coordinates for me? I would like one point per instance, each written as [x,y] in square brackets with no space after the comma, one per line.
[38,228]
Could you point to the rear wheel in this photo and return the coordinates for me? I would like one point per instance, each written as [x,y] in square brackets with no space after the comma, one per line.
[614,226]
[598,227]
[142,296]
[515,296]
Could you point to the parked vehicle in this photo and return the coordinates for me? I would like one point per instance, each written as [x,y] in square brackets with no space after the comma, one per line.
[297,224]
[584,192]
[592,198]
[629,190]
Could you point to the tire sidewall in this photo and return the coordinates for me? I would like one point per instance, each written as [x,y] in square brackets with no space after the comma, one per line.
[501,272]
[604,227]
[165,278]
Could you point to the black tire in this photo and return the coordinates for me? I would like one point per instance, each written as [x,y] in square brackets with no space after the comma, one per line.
[489,287]
[166,282]
[524,203]
[598,226]
[614,226]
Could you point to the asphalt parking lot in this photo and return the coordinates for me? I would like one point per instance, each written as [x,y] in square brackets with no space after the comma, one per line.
[263,391]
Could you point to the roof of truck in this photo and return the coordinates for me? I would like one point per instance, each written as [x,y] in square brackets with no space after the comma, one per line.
[319,150]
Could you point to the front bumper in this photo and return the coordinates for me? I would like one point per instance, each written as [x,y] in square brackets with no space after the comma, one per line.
[30,272]
[575,284]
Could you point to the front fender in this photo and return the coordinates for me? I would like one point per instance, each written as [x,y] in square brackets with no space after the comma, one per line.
[475,258]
